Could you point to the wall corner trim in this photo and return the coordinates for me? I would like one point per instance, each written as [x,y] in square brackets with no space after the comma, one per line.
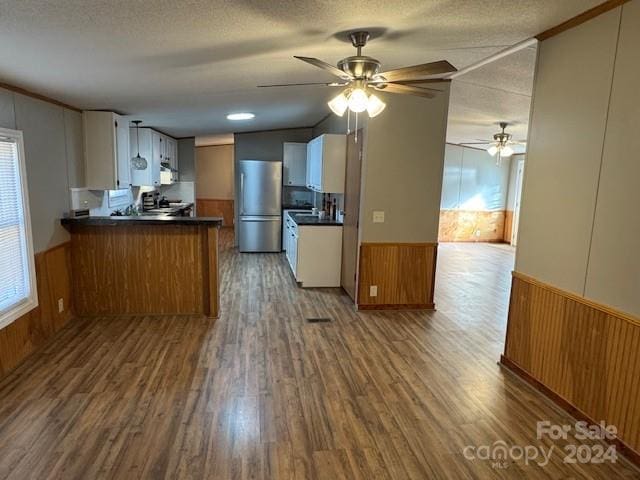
[580,19]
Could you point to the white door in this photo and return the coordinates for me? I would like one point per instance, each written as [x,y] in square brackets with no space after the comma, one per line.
[516,206]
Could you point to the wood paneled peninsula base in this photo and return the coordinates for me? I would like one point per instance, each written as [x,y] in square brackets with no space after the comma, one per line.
[144,265]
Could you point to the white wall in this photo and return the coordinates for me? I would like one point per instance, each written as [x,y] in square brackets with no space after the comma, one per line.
[473,181]
[580,225]
[402,169]
[187,159]
[566,134]
[613,271]
[54,160]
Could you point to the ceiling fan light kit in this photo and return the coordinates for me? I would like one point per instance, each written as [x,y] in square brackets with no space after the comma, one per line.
[501,145]
[361,74]
[339,104]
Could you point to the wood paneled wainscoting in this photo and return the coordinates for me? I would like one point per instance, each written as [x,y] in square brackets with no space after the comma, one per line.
[471,226]
[584,355]
[23,336]
[216,207]
[403,272]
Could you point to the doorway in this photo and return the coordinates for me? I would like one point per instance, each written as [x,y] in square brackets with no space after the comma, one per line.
[351,214]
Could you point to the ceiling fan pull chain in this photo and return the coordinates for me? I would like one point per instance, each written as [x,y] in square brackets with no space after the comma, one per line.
[356,128]
[348,121]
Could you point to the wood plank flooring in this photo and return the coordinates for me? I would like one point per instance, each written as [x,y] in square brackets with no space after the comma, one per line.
[262,394]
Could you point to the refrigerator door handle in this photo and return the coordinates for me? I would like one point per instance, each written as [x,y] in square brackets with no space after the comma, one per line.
[260,219]
[242,194]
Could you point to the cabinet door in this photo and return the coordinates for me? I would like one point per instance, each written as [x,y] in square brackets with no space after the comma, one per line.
[294,164]
[100,150]
[292,253]
[309,160]
[157,154]
[316,164]
[172,157]
[122,152]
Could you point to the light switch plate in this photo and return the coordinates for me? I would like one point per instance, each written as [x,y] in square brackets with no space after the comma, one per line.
[373,291]
[60,305]
[378,216]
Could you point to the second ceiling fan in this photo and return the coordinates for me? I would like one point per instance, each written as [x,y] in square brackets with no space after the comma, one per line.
[361,74]
[501,146]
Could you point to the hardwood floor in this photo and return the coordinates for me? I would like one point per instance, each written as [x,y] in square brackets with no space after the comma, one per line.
[261,393]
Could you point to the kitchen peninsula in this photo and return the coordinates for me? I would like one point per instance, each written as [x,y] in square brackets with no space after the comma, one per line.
[144,265]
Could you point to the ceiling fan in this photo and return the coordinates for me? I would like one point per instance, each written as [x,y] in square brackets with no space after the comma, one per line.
[502,145]
[361,74]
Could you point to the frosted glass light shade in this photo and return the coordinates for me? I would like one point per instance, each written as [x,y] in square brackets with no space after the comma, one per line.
[139,163]
[339,104]
[506,151]
[358,100]
[492,150]
[375,106]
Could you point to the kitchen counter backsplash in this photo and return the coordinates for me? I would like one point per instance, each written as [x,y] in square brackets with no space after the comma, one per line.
[101,204]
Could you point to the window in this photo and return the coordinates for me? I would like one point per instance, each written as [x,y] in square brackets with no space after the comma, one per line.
[18,292]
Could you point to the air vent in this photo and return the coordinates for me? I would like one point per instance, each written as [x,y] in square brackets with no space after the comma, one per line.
[318,320]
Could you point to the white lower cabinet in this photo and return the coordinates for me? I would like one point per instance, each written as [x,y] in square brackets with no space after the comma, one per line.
[314,253]
[286,224]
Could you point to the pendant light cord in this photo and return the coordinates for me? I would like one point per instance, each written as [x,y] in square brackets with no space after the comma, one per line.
[138,136]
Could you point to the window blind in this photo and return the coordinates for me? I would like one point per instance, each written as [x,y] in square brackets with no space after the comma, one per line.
[15,282]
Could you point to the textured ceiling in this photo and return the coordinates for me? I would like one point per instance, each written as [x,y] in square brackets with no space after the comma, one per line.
[183,65]
[499,91]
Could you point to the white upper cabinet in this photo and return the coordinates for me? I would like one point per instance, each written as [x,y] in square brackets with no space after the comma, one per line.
[294,164]
[326,163]
[106,151]
[170,158]
[161,153]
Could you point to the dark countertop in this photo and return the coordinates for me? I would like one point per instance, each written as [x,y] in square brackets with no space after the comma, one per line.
[307,220]
[144,219]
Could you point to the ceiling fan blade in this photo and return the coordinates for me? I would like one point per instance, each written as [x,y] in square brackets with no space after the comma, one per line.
[325,84]
[476,143]
[408,89]
[416,72]
[419,82]
[325,66]
[426,89]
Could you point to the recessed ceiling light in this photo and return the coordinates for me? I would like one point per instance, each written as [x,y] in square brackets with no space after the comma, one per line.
[240,116]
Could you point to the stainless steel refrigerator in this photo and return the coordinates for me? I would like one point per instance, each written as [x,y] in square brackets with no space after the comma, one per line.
[259,206]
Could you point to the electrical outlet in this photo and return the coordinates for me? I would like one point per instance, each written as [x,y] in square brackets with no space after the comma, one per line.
[60,305]
[378,217]
[373,291]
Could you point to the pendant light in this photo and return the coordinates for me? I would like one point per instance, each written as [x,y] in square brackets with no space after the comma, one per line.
[138,162]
